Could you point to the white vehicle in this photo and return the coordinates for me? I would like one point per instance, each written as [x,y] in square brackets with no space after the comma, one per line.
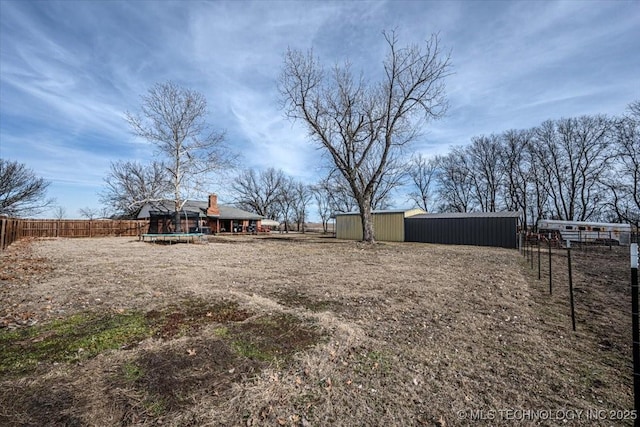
[587,232]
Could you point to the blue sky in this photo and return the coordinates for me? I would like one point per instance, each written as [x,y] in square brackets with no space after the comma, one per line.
[69,70]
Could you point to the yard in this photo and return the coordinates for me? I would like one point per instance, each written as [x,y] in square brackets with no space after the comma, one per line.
[308,331]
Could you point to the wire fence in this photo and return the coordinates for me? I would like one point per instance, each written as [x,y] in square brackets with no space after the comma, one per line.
[594,285]
[551,258]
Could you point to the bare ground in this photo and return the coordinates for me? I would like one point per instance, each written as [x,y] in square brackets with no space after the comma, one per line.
[389,334]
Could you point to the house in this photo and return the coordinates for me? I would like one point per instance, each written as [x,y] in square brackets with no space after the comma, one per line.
[388,225]
[199,216]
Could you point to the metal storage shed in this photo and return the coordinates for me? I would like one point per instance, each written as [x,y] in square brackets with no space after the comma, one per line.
[388,225]
[475,228]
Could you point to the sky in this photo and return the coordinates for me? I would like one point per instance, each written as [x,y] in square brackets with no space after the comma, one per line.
[70,70]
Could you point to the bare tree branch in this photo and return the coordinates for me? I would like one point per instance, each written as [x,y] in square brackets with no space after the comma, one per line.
[130,184]
[22,193]
[259,192]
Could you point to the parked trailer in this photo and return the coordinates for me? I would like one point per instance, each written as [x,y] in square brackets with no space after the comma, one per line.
[587,232]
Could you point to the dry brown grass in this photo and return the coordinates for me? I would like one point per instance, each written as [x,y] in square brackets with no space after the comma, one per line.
[331,333]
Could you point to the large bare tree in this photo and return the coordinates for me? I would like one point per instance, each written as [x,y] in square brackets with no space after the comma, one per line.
[22,192]
[624,185]
[422,172]
[322,194]
[515,164]
[130,184]
[302,194]
[259,191]
[574,156]
[174,119]
[485,171]
[361,125]
[286,201]
[455,184]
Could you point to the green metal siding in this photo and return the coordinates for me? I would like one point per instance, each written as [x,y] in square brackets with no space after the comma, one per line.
[348,227]
[387,226]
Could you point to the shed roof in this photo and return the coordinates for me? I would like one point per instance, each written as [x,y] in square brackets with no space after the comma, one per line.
[378,212]
[506,214]
[200,207]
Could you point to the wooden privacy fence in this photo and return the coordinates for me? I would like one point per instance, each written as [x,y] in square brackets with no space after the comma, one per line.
[12,229]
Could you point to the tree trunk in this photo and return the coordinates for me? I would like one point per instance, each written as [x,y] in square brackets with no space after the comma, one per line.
[367,222]
[178,227]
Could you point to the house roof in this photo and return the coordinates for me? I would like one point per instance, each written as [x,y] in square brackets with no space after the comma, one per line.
[507,214]
[200,207]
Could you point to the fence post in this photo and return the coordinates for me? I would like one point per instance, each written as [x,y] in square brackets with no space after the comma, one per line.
[538,241]
[531,253]
[3,227]
[635,325]
[573,311]
[550,280]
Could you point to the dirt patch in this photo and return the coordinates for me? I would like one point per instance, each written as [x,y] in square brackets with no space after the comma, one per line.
[187,317]
[302,330]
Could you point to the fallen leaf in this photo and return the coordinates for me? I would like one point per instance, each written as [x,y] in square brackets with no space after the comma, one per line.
[191,352]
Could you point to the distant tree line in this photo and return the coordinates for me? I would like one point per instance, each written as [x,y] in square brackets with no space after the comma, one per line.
[583,168]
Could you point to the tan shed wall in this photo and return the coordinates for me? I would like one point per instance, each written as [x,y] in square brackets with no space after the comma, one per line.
[387,227]
[348,227]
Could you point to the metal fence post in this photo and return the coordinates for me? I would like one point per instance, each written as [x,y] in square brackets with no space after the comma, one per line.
[573,311]
[550,275]
[538,256]
[635,325]
[610,240]
[531,253]
[521,244]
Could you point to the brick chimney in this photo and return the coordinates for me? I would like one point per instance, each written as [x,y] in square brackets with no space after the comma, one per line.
[213,205]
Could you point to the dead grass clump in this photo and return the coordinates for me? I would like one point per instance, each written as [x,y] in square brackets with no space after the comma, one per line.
[20,263]
[295,298]
[41,402]
[167,379]
[274,337]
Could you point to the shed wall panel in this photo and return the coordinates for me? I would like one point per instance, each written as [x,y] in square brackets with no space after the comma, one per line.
[500,232]
[348,227]
[387,227]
